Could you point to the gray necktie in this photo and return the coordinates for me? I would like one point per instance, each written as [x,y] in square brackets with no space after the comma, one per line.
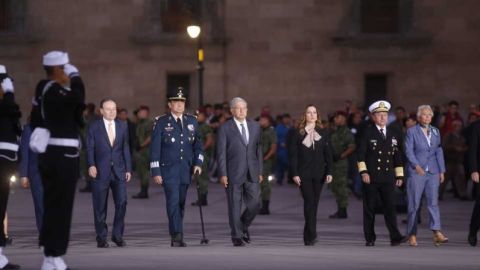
[244,134]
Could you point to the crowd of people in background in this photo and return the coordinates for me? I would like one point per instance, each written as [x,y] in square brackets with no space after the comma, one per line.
[454,129]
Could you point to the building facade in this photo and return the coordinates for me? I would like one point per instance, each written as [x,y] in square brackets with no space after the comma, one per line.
[281,53]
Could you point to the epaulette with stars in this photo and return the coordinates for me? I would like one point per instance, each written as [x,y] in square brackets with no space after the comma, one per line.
[192,115]
[156,120]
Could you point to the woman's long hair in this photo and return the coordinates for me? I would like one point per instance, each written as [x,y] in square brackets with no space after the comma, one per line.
[303,120]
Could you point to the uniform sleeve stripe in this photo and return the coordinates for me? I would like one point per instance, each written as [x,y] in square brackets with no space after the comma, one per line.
[399,171]
[154,164]
[362,166]
[200,157]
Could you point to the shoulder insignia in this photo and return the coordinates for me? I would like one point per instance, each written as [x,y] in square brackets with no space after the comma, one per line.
[191,115]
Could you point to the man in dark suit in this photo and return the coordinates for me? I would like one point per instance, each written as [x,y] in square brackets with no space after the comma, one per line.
[239,158]
[474,166]
[176,153]
[109,165]
[381,167]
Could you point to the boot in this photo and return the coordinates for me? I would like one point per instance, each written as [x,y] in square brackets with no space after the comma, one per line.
[143,194]
[177,241]
[202,200]
[340,214]
[439,238]
[412,241]
[265,208]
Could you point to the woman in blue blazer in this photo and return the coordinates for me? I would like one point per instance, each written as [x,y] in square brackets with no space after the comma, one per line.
[425,168]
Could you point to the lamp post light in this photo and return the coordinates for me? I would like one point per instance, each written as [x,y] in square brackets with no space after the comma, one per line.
[194,31]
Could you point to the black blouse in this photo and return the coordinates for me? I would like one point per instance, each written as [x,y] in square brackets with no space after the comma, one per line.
[311,162]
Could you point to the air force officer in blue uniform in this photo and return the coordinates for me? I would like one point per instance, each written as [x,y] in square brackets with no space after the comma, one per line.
[109,161]
[175,153]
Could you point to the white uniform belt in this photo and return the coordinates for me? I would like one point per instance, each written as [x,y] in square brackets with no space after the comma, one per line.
[9,146]
[64,142]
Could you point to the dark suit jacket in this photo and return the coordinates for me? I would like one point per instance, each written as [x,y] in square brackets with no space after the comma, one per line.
[474,147]
[105,157]
[311,162]
[380,158]
[235,159]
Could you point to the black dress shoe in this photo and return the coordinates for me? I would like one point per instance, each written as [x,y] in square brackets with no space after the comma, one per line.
[102,244]
[10,266]
[8,241]
[237,242]
[86,189]
[399,241]
[311,242]
[140,195]
[119,242]
[472,239]
[178,244]
[246,237]
[370,243]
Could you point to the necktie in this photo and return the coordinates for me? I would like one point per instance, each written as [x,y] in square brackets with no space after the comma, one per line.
[383,134]
[244,133]
[179,122]
[111,137]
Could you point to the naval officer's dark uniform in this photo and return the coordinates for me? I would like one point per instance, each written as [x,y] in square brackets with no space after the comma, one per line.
[380,157]
[60,110]
[175,149]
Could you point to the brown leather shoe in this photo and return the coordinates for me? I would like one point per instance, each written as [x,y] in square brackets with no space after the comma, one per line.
[439,238]
[412,241]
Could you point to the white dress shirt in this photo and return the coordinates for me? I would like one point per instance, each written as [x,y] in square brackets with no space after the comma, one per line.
[384,130]
[240,127]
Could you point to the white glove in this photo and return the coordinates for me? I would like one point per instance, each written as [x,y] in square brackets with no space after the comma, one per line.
[70,69]
[7,85]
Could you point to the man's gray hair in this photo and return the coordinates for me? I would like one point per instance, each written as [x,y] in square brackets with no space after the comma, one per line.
[236,100]
[422,108]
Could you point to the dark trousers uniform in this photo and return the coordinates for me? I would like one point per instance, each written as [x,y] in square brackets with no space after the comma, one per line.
[175,195]
[7,169]
[100,190]
[386,192]
[59,170]
[475,221]
[311,188]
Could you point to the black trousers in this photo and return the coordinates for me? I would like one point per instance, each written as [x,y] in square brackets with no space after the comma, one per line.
[100,190]
[311,189]
[7,169]
[59,169]
[386,192]
[475,220]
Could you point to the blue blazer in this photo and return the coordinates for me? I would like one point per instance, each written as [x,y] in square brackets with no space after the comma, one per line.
[28,166]
[104,156]
[418,151]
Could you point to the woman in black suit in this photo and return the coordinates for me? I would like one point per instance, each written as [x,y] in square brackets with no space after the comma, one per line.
[311,166]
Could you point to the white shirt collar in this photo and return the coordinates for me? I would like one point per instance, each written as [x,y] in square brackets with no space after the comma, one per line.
[239,123]
[108,122]
[384,129]
[177,117]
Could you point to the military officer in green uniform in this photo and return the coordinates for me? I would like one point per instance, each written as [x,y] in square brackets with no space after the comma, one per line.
[206,134]
[343,145]
[141,155]
[268,142]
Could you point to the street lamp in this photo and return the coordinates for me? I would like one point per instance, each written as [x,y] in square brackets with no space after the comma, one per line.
[194,31]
